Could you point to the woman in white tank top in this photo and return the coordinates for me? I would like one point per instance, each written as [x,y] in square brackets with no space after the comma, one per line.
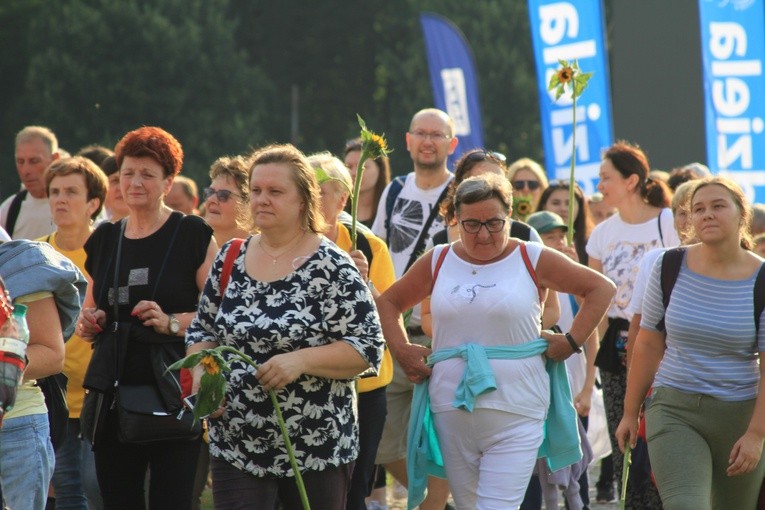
[486,291]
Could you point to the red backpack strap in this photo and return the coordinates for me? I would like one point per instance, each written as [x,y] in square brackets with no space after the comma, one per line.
[228,263]
[439,262]
[530,269]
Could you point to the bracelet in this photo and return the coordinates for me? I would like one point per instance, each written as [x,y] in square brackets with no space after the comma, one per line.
[572,343]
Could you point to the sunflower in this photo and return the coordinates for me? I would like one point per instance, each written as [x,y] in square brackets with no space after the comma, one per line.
[210,365]
[565,74]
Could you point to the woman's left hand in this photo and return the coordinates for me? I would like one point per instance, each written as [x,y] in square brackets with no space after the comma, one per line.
[151,315]
[745,455]
[558,348]
[280,370]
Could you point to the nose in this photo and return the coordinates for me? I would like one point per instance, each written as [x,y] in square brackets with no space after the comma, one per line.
[600,187]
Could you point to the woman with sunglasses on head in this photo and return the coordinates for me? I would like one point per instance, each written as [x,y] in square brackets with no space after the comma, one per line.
[529,181]
[486,290]
[643,221]
[555,199]
[227,198]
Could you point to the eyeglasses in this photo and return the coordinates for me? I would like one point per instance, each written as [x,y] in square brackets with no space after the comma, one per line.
[221,194]
[474,226]
[483,155]
[521,184]
[422,135]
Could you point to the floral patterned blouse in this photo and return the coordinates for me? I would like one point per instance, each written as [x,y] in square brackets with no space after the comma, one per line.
[322,301]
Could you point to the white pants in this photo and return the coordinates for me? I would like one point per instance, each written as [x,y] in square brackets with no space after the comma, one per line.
[488,456]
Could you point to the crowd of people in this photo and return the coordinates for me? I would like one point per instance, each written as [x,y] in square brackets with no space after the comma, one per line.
[456,347]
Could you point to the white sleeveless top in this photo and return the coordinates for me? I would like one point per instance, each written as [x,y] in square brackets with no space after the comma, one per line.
[498,305]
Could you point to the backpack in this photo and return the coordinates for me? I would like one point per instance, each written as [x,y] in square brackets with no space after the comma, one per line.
[13,211]
[362,243]
[394,190]
[670,269]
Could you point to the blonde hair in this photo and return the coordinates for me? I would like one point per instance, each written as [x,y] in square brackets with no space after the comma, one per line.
[530,165]
[739,199]
[334,168]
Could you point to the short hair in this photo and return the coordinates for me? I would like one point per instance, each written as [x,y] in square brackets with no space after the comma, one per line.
[757,221]
[302,175]
[682,194]
[758,239]
[484,187]
[95,180]
[679,176]
[109,166]
[334,168]
[466,163]
[738,198]
[96,153]
[152,142]
[438,113]
[235,169]
[383,167]
[629,159]
[188,186]
[41,133]
[530,165]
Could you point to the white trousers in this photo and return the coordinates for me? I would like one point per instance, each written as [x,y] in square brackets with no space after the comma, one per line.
[488,456]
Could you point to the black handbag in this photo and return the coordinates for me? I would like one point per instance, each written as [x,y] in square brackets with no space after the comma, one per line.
[144,418]
[612,353]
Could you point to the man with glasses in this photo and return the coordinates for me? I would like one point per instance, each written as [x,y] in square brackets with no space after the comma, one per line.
[407,217]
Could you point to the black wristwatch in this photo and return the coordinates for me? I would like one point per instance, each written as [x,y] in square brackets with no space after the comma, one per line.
[572,343]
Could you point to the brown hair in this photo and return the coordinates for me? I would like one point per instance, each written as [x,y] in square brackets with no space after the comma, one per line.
[466,163]
[484,187]
[738,198]
[302,175]
[95,180]
[629,159]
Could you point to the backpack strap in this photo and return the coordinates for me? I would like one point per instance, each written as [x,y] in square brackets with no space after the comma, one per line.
[362,243]
[658,222]
[394,190]
[670,269]
[759,297]
[228,263]
[439,263]
[13,211]
[520,230]
[531,270]
[419,246]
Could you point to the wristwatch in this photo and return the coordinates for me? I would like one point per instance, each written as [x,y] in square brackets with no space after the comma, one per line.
[173,324]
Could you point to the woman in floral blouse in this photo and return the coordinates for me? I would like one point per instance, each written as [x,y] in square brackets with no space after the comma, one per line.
[296,304]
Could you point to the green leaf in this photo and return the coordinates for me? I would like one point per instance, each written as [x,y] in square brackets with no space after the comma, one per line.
[188,362]
[559,92]
[554,81]
[212,390]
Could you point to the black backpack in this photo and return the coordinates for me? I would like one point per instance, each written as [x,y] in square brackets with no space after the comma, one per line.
[670,269]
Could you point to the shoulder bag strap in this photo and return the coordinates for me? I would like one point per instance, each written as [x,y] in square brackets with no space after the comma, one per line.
[228,264]
[420,244]
[439,263]
[531,270]
[13,211]
[759,297]
[167,256]
[670,268]
[658,222]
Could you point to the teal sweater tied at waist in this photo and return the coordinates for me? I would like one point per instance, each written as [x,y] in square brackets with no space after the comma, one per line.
[561,444]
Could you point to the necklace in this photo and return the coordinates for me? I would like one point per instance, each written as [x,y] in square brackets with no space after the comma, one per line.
[139,231]
[275,258]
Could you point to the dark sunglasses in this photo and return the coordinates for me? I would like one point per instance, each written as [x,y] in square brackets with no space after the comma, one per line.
[221,194]
[521,184]
[483,155]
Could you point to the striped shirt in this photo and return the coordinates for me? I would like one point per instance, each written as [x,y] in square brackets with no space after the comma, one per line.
[711,344]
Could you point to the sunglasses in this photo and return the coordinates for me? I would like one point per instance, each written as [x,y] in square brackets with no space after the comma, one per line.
[521,184]
[483,155]
[221,194]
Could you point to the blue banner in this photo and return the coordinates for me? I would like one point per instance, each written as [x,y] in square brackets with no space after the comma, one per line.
[453,77]
[572,30]
[733,47]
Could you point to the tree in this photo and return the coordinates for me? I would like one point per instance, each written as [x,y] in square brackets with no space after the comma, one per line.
[100,68]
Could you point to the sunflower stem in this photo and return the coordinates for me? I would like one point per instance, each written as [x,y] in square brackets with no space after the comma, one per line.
[355,195]
[282,427]
[571,180]
[625,475]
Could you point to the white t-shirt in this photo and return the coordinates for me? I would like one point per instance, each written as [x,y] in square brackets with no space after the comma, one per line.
[411,211]
[644,273]
[620,247]
[499,305]
[34,220]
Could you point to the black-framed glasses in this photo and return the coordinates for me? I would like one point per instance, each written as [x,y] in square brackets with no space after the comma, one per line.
[482,155]
[520,184]
[221,194]
[493,225]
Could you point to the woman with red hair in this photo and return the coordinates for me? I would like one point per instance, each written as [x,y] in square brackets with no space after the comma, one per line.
[159,259]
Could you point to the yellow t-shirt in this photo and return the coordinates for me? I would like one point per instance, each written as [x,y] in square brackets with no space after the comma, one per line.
[78,351]
[29,398]
[382,274]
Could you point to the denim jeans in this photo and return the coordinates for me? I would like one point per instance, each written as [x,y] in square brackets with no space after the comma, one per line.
[26,461]
[75,462]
